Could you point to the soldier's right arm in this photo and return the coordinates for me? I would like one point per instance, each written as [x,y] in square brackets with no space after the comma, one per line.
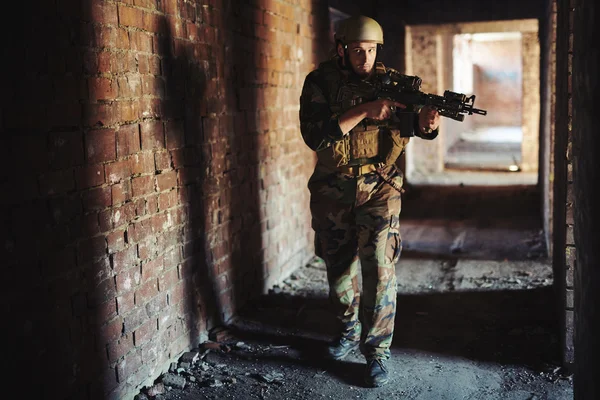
[318,124]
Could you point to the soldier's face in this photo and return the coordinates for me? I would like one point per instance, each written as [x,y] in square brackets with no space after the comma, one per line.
[362,57]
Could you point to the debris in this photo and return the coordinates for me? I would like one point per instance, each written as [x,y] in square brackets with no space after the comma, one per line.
[189,357]
[271,377]
[220,334]
[172,380]
[158,388]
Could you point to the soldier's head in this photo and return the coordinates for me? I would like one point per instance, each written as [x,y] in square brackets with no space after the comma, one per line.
[357,41]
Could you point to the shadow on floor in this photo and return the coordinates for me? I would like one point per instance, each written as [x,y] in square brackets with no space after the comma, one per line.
[509,327]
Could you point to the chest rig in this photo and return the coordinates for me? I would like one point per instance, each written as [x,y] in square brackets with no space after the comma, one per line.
[366,143]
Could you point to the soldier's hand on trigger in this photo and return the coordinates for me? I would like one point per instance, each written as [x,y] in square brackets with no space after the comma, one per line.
[381,109]
[429,119]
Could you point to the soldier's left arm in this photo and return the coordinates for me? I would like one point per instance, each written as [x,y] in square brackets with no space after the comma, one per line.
[318,124]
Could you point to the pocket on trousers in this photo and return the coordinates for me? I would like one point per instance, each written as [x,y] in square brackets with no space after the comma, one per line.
[394,241]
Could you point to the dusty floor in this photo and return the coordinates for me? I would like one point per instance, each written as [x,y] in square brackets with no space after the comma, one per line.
[475,317]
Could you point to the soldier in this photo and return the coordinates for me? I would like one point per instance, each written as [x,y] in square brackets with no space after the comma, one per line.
[355,191]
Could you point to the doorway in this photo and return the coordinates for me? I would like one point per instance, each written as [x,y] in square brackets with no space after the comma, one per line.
[488,65]
[498,62]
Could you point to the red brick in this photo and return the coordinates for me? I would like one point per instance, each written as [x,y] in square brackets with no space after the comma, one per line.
[152,22]
[129,16]
[97,198]
[127,280]
[121,192]
[142,334]
[128,366]
[167,200]
[178,158]
[145,3]
[99,114]
[152,204]
[146,291]
[116,217]
[142,163]
[119,348]
[151,108]
[140,207]
[129,85]
[155,68]
[151,268]
[142,185]
[102,12]
[159,223]
[100,36]
[116,241]
[125,303]
[170,7]
[57,182]
[128,110]
[148,249]
[168,279]
[140,41]
[100,145]
[124,259]
[89,176]
[128,140]
[153,86]
[102,88]
[139,231]
[117,171]
[162,160]
[166,181]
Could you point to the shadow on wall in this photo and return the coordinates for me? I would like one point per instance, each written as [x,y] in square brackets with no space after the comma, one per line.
[54,258]
[87,141]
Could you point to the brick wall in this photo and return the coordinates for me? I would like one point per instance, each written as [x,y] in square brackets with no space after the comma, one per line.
[154,178]
[564,249]
[585,178]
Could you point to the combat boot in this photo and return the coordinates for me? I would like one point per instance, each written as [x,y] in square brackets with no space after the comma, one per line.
[376,374]
[340,349]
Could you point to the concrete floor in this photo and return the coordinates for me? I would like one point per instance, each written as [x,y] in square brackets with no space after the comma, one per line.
[475,315]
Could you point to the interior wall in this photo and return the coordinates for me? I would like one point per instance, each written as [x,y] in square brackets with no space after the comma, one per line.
[586,147]
[154,179]
[564,248]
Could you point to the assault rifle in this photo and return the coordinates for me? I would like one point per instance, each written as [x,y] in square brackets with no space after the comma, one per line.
[406,89]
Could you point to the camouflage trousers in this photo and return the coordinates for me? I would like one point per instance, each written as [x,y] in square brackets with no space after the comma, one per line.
[356,224]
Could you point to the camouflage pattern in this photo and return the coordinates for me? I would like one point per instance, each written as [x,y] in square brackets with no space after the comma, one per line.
[356,223]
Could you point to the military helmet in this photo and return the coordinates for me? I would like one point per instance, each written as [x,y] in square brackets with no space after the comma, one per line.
[359,29]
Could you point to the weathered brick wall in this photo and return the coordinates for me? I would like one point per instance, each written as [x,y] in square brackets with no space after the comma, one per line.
[564,249]
[154,178]
[586,147]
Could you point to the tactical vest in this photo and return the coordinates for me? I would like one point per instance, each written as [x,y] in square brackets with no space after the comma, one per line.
[365,144]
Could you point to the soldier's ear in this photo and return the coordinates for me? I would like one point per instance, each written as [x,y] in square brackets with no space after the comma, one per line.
[340,49]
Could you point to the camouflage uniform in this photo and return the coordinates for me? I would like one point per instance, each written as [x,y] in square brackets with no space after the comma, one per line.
[355,216]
